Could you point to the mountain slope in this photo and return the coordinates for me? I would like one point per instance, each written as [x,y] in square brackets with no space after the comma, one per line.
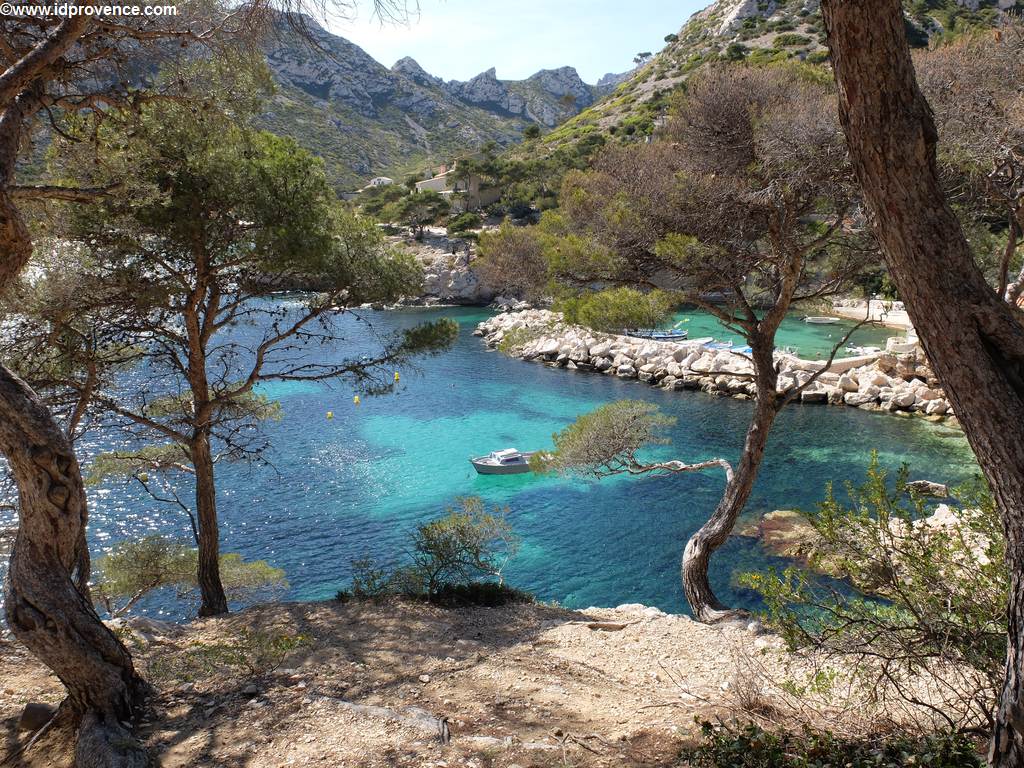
[367,120]
[756,31]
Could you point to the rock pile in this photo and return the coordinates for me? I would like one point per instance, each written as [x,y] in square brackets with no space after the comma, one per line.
[902,383]
[447,275]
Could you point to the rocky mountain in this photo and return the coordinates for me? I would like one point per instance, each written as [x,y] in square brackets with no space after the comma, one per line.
[759,32]
[366,120]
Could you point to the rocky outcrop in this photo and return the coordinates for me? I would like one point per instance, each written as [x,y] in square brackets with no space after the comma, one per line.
[408,67]
[887,382]
[547,97]
[448,274]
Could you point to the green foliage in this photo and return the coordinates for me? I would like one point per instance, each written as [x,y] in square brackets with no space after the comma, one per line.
[531,131]
[451,558]
[616,309]
[791,39]
[607,440]
[463,222]
[149,458]
[931,591]
[135,568]
[463,546]
[417,210]
[512,261]
[754,747]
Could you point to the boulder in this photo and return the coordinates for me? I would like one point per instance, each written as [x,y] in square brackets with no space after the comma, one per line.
[813,396]
[858,398]
[548,347]
[626,371]
[848,383]
[904,398]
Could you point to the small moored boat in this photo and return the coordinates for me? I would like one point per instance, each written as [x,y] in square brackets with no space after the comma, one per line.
[674,334]
[508,461]
[821,320]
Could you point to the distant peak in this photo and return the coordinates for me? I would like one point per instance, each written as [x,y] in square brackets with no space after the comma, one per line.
[560,72]
[411,68]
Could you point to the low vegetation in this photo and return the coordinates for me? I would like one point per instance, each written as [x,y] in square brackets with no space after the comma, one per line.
[751,746]
[925,624]
[458,559]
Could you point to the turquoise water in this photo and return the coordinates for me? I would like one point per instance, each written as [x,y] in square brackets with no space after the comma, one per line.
[336,490]
[812,342]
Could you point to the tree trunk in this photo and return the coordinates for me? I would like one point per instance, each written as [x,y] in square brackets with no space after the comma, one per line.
[213,602]
[705,605]
[45,606]
[973,339]
[46,594]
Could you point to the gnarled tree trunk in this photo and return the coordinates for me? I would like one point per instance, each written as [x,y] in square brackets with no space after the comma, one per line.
[46,593]
[973,338]
[46,602]
[696,557]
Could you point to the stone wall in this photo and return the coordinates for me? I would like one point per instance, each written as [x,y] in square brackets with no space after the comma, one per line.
[898,383]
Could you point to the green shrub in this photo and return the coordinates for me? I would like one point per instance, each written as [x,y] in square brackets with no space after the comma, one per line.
[464,221]
[930,601]
[729,746]
[453,559]
[790,39]
[616,309]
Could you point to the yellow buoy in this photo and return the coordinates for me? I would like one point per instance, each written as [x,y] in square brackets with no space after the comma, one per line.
[397,377]
[356,399]
[330,414]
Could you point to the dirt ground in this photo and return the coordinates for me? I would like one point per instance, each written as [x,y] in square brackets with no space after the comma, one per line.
[385,685]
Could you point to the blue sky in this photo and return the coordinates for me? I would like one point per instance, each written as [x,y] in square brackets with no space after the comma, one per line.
[456,39]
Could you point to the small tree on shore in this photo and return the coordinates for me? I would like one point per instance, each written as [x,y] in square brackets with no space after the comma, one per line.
[746,200]
[928,613]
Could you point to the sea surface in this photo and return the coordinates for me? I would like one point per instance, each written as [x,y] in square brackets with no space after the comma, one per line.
[353,486]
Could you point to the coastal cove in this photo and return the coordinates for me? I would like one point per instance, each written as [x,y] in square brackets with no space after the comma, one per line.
[352,486]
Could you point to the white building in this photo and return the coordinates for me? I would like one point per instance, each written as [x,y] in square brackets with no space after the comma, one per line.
[381,181]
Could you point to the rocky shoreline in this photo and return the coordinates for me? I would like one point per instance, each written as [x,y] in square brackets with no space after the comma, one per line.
[898,383]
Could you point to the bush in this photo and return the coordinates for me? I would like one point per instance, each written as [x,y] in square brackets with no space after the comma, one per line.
[134,569]
[930,606]
[616,309]
[452,560]
[791,39]
[464,221]
[754,747]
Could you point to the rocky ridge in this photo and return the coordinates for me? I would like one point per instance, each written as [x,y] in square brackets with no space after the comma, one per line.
[367,119]
[888,382]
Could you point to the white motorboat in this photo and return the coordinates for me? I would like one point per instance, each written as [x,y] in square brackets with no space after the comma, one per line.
[821,320]
[508,461]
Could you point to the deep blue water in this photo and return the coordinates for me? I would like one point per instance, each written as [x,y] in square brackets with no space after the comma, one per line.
[355,485]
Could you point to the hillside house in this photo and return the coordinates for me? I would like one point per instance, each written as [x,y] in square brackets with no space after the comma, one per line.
[474,193]
[381,181]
